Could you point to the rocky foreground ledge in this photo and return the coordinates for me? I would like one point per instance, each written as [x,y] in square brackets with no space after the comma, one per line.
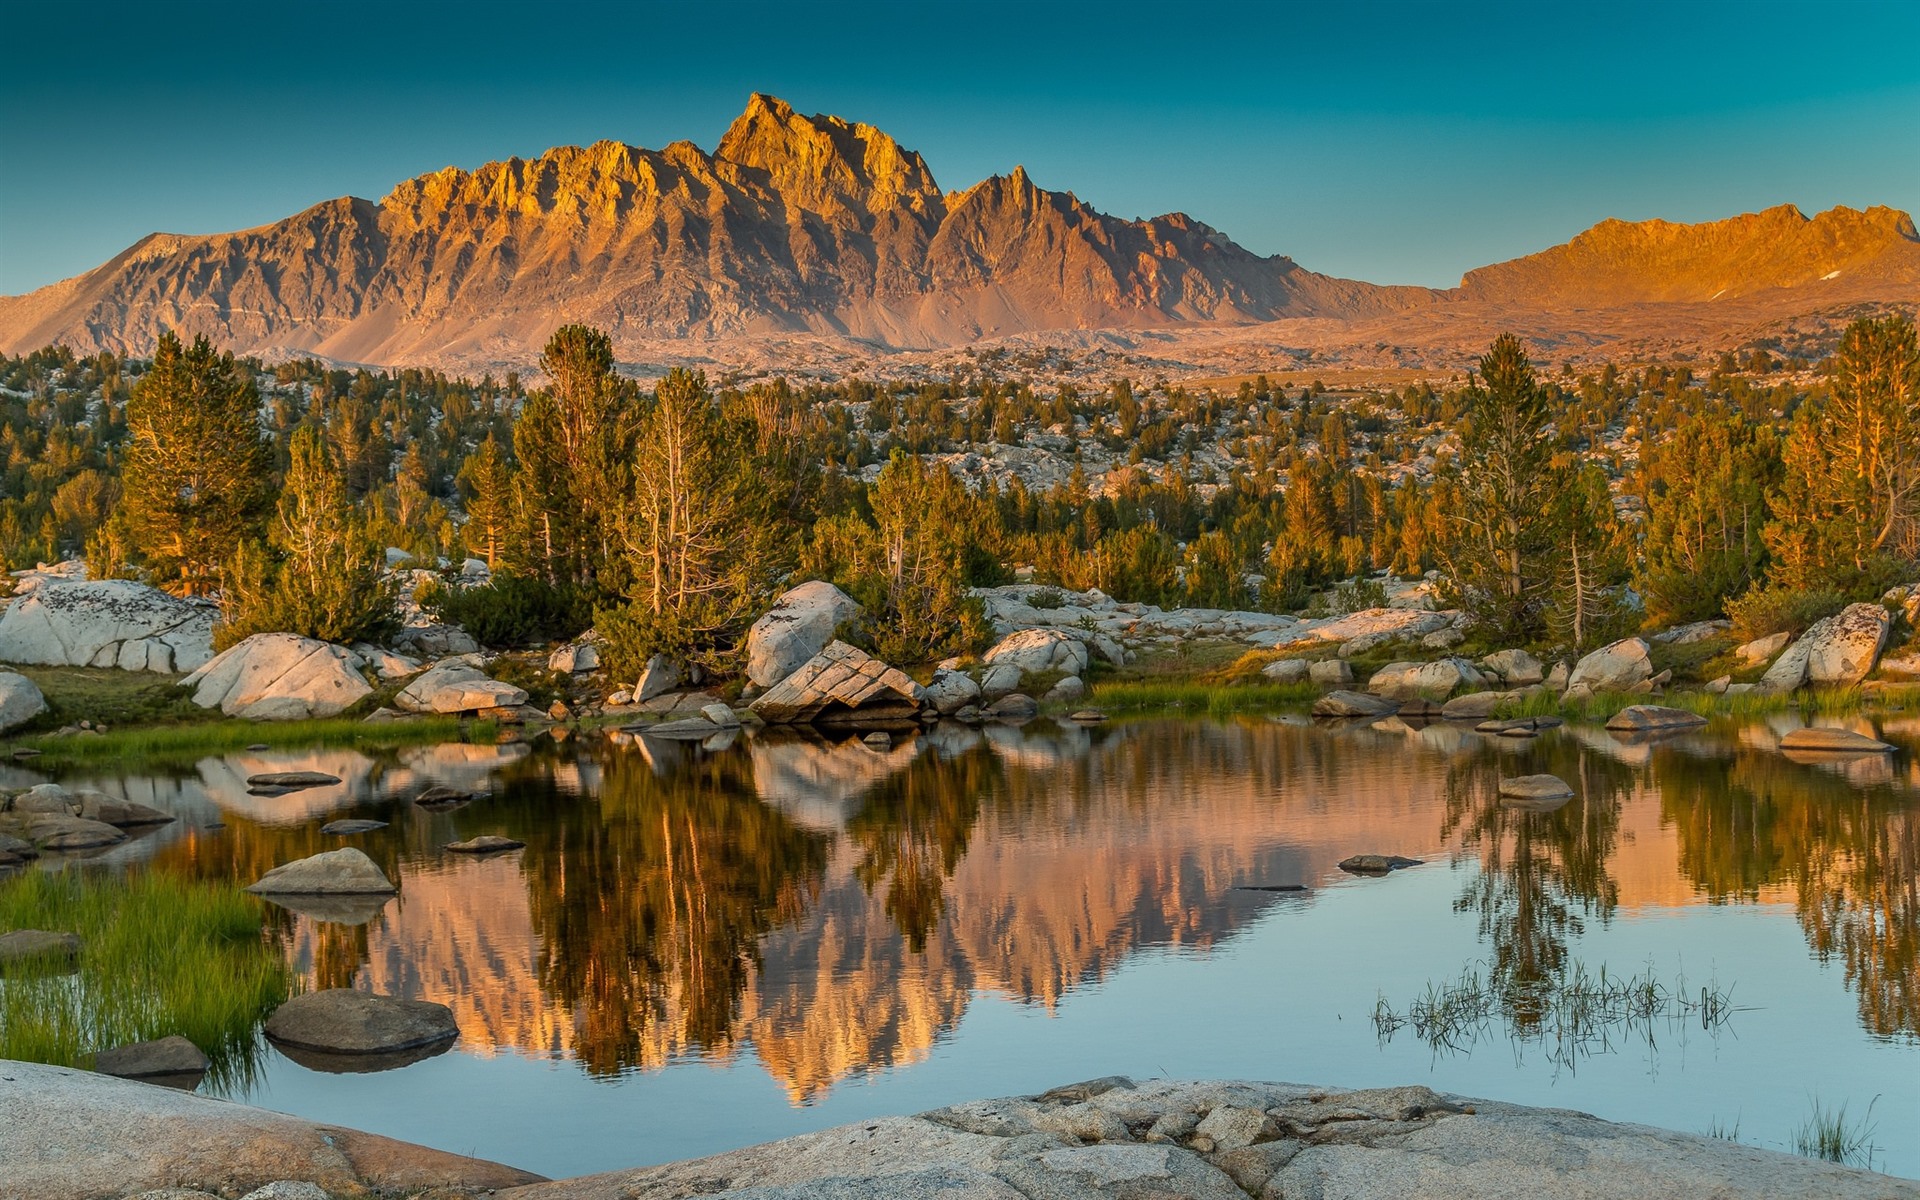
[70,1135]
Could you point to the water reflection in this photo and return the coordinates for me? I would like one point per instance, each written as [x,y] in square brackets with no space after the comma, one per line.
[830,909]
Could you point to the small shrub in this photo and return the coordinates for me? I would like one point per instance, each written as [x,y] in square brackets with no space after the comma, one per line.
[1046,597]
[511,611]
[1357,595]
[1769,610]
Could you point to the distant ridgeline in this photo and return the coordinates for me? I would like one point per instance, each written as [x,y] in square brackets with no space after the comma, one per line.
[817,228]
[667,517]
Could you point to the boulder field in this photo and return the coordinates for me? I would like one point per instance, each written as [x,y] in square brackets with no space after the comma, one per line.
[69,1135]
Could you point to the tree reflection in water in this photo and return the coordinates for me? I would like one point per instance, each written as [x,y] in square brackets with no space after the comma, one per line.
[1540,873]
[650,902]
[1850,853]
[912,830]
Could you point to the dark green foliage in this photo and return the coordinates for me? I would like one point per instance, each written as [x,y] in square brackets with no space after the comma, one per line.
[510,611]
[1775,608]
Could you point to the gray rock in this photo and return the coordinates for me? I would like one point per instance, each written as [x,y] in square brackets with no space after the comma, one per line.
[660,676]
[457,685]
[1826,740]
[574,658]
[952,690]
[1288,670]
[1760,650]
[840,680]
[345,1021]
[1087,716]
[292,780]
[121,814]
[1376,864]
[1424,681]
[1014,707]
[1646,718]
[1838,651]
[172,1058]
[1516,668]
[1473,706]
[798,626]
[350,826]
[38,946]
[720,715]
[71,833]
[288,1189]
[76,1135]
[1234,1128]
[280,677]
[1037,651]
[1619,667]
[343,872]
[1000,679]
[1354,704]
[107,623]
[20,700]
[486,843]
[1533,788]
[46,799]
[1068,689]
[1331,672]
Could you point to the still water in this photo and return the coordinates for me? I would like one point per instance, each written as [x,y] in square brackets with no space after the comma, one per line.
[701,948]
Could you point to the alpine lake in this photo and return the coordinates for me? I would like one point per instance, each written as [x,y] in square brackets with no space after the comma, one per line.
[703,946]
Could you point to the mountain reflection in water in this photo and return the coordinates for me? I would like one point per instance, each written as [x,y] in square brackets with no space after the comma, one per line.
[833,910]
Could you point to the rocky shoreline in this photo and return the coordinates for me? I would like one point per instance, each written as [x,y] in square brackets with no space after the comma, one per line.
[72,1135]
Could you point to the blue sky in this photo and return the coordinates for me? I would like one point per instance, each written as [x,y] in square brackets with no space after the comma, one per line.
[1394,142]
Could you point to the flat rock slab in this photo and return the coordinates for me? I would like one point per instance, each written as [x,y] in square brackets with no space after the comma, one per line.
[292,779]
[1354,704]
[345,1021]
[38,946]
[75,1135]
[1645,718]
[1536,787]
[336,872]
[172,1061]
[72,833]
[1376,864]
[350,826]
[1224,1140]
[486,843]
[1834,741]
[445,797]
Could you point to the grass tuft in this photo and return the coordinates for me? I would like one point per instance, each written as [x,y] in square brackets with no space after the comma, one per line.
[175,743]
[160,955]
[1832,1135]
[1214,700]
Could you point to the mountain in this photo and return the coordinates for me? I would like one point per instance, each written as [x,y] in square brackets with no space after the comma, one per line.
[804,231]
[792,224]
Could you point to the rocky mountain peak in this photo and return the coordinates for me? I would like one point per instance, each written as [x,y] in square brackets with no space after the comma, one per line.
[826,163]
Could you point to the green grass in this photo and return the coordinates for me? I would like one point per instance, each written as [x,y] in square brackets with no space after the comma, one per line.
[1602,705]
[111,697]
[161,955]
[1191,697]
[163,743]
[1832,1135]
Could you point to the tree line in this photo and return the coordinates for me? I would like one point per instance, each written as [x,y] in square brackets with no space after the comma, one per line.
[1555,511]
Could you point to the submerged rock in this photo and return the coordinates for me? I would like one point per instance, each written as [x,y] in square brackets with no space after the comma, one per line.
[1536,787]
[1645,718]
[292,780]
[1833,741]
[1376,864]
[486,843]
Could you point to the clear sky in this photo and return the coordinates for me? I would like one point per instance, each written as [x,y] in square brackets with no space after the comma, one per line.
[1394,142]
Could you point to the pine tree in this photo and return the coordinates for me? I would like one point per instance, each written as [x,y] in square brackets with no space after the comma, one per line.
[488,487]
[1500,533]
[324,576]
[572,442]
[196,480]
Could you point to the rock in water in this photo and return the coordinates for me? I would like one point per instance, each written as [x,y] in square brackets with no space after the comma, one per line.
[1376,864]
[952,691]
[798,626]
[1617,668]
[20,700]
[1537,789]
[350,826]
[486,843]
[840,683]
[345,1021]
[107,623]
[1014,707]
[1425,681]
[336,872]
[1646,718]
[1833,741]
[71,833]
[170,1061]
[38,946]
[1354,704]
[292,780]
[280,677]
